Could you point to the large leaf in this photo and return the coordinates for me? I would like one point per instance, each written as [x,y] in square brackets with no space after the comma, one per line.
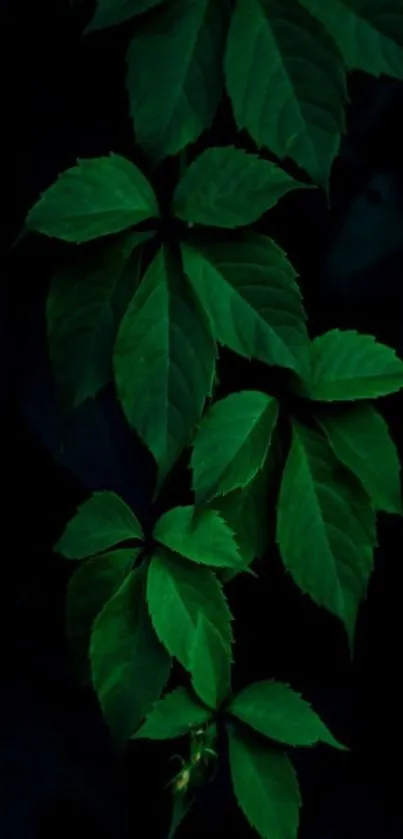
[113,12]
[100,523]
[348,366]
[226,187]
[265,785]
[87,299]
[177,593]
[174,74]
[130,667]
[286,80]
[325,527]
[164,361]
[276,711]
[95,198]
[359,436]
[210,664]
[231,443]
[173,716]
[90,586]
[369,33]
[199,535]
[248,289]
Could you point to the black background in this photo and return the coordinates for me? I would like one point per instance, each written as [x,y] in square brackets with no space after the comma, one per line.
[63,97]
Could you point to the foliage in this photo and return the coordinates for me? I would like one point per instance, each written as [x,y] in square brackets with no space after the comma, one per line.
[152,313]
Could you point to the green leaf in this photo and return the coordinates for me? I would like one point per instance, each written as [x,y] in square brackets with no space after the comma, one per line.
[360,438]
[177,593]
[100,523]
[348,366]
[248,289]
[325,527]
[130,667]
[174,75]
[199,535]
[369,34]
[173,716]
[265,786]
[226,187]
[90,586]
[87,299]
[276,711]
[113,12]
[181,804]
[231,443]
[210,664]
[95,198]
[164,361]
[275,45]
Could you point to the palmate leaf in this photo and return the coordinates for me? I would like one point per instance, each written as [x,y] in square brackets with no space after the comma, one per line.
[369,33]
[249,291]
[164,362]
[231,443]
[276,45]
[199,535]
[226,187]
[173,716]
[265,786]
[325,527]
[100,523]
[87,299]
[360,438]
[210,664]
[174,74]
[95,198]
[113,12]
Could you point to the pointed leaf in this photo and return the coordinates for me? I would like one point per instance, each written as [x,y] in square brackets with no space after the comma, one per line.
[231,443]
[276,711]
[86,302]
[113,12]
[360,439]
[248,289]
[164,361]
[275,45]
[210,664]
[130,667]
[100,523]
[177,593]
[226,187]
[181,804]
[348,366]
[95,198]
[199,535]
[265,786]
[174,75]
[325,527]
[173,716]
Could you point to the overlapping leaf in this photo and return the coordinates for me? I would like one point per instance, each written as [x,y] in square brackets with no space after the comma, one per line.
[199,535]
[210,664]
[173,716]
[113,12]
[100,523]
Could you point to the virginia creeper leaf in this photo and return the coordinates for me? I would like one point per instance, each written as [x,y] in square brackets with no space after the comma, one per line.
[226,187]
[199,535]
[130,667]
[249,291]
[164,361]
[100,523]
[231,443]
[276,45]
[210,664]
[95,198]
[173,716]
[113,12]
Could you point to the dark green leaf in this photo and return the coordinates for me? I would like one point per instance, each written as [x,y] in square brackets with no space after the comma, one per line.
[199,535]
[173,716]
[113,12]
[100,523]
[210,664]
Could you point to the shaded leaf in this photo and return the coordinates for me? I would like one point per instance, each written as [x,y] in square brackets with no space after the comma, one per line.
[173,716]
[210,664]
[199,535]
[113,12]
[100,523]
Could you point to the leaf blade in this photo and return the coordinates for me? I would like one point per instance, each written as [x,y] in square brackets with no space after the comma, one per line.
[114,12]
[106,511]
[210,664]
[199,535]
[173,716]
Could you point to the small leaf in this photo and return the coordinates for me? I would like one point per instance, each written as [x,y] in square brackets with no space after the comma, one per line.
[100,523]
[177,593]
[276,711]
[90,586]
[95,198]
[210,664]
[130,667]
[173,716]
[360,438]
[248,289]
[265,786]
[181,804]
[231,443]
[226,187]
[87,299]
[347,366]
[199,535]
[164,361]
[114,12]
